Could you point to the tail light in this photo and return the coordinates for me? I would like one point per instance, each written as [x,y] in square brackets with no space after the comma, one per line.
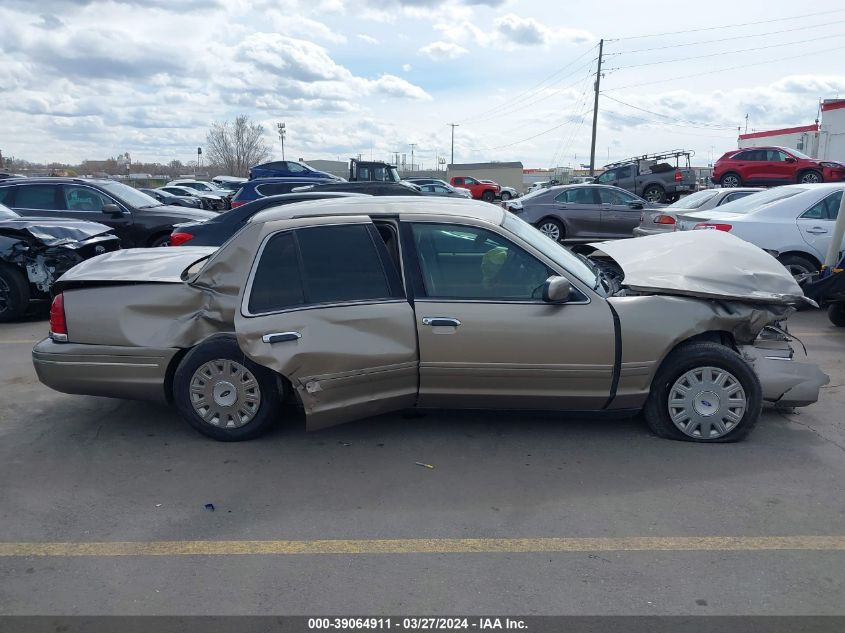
[678,176]
[238,203]
[58,323]
[177,239]
[713,227]
[664,219]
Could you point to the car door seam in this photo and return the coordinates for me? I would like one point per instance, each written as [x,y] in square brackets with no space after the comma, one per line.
[617,360]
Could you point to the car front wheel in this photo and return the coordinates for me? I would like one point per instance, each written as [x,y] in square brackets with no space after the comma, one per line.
[654,193]
[223,394]
[488,196]
[506,196]
[810,177]
[704,392]
[836,314]
[14,294]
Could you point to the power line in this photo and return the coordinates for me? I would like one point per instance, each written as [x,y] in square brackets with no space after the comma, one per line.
[723,70]
[723,39]
[530,138]
[725,26]
[713,126]
[582,101]
[513,106]
[533,89]
[649,121]
[743,50]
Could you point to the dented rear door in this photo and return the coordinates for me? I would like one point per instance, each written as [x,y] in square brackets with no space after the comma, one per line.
[324,306]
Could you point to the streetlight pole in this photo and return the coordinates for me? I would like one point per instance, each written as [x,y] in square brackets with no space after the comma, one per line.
[454,125]
[413,145]
[282,131]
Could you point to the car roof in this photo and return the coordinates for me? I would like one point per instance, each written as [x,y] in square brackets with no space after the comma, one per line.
[386,205]
[58,179]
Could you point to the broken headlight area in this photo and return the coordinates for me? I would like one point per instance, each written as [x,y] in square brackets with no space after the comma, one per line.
[44,264]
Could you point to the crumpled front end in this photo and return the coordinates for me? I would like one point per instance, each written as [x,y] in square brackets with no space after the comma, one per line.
[785,382]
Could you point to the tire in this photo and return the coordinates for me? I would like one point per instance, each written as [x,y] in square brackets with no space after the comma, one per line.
[800,267]
[810,177]
[14,294]
[551,228]
[160,240]
[654,193]
[730,180]
[707,400]
[836,314]
[488,196]
[506,196]
[209,373]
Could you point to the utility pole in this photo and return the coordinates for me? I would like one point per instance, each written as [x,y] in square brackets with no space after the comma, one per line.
[413,145]
[596,112]
[746,124]
[454,125]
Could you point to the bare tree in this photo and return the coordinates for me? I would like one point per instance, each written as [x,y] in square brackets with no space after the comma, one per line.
[237,145]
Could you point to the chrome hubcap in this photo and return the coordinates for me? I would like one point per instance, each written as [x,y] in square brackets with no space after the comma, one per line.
[550,230]
[730,181]
[225,394]
[706,403]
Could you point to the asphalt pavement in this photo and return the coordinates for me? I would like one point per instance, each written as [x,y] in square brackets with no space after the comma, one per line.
[106,508]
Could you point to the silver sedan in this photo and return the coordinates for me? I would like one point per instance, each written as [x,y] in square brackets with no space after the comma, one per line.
[665,220]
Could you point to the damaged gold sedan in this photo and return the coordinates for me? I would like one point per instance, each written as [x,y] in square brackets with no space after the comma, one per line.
[356,307]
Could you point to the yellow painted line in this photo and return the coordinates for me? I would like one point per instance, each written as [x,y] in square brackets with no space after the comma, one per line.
[431,546]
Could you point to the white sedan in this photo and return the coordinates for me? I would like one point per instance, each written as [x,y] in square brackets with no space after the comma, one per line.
[793,222]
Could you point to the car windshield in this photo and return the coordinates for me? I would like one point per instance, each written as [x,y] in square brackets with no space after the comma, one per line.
[798,154]
[551,249]
[130,196]
[695,200]
[761,199]
[6,213]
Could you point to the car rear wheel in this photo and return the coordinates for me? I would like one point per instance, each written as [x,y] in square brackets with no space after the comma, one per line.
[704,392]
[810,177]
[551,228]
[488,196]
[506,196]
[14,294]
[223,394]
[799,267]
[654,193]
[836,314]
[730,181]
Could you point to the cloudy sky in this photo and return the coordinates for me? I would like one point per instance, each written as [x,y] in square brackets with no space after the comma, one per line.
[88,79]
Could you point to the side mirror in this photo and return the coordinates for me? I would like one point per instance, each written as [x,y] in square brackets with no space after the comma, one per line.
[635,205]
[112,209]
[556,290]
[789,159]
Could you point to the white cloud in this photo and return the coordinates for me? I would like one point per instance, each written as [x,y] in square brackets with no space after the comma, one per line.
[407,68]
[441,51]
[367,38]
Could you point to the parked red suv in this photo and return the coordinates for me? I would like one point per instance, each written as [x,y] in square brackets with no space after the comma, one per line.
[480,190]
[773,166]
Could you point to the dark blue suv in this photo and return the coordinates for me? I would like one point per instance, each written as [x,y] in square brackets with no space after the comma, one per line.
[289,169]
[263,187]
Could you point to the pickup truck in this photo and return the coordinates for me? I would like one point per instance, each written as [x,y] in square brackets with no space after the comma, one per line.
[650,178]
[487,191]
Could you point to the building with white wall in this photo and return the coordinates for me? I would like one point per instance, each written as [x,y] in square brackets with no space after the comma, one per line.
[824,139]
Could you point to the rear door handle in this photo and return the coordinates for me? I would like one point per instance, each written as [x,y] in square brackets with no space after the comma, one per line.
[441,321]
[281,337]
[817,230]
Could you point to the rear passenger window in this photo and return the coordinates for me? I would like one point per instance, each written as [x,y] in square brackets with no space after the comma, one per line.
[827,209]
[341,264]
[274,189]
[277,284]
[36,197]
[6,196]
[338,264]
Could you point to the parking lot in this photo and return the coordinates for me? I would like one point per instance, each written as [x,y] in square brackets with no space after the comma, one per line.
[520,514]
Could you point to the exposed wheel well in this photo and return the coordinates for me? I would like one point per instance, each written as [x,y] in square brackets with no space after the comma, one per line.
[714,336]
[290,394]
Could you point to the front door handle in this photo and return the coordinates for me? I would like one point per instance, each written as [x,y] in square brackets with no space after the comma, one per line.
[441,321]
[281,337]
[817,230]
